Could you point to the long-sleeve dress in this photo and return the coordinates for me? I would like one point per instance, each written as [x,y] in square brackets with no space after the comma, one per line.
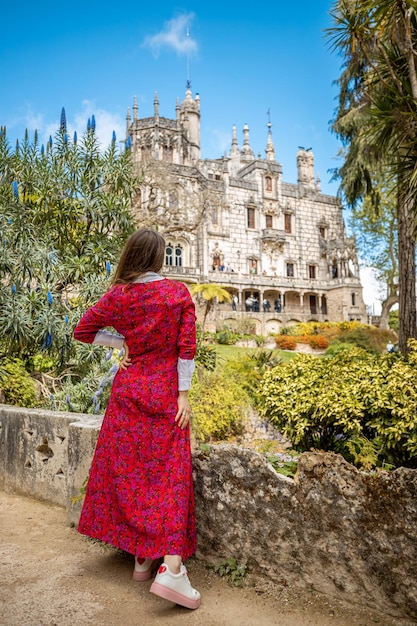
[140,494]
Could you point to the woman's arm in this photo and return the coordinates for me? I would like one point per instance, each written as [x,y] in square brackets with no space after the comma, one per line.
[90,328]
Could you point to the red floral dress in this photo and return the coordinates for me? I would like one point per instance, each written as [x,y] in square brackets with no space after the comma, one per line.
[140,494]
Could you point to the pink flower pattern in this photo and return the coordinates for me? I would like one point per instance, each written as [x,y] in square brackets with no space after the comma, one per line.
[140,493]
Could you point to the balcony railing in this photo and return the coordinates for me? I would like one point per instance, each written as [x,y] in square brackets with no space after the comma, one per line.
[180,270]
[273,234]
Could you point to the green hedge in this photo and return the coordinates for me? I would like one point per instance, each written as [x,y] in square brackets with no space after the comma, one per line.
[343,403]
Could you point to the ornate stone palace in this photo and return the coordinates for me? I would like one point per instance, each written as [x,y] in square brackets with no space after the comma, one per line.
[281,248]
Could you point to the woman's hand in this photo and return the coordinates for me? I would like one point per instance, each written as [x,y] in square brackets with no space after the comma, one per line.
[125,361]
[184,410]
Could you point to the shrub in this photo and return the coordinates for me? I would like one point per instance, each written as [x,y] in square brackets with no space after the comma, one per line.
[318,342]
[219,406]
[226,337]
[285,342]
[247,371]
[302,398]
[16,383]
[206,356]
[356,403]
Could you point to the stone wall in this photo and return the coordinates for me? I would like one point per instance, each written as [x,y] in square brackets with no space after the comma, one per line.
[332,528]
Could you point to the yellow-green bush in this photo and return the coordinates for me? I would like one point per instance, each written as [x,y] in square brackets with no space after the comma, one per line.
[16,383]
[320,334]
[219,406]
[325,403]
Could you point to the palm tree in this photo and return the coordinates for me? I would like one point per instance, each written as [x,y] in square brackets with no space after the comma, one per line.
[210,293]
[377,119]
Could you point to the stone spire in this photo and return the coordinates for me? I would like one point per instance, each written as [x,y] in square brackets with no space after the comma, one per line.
[156,105]
[127,120]
[234,150]
[270,150]
[135,108]
[246,152]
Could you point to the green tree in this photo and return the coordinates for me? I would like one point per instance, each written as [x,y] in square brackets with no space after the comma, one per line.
[377,239]
[64,214]
[376,119]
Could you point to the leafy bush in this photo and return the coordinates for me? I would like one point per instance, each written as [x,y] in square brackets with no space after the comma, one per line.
[248,369]
[219,406]
[206,356]
[16,383]
[321,334]
[318,342]
[227,337]
[361,405]
[285,342]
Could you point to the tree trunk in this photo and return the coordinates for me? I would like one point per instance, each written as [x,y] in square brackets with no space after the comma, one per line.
[406,266]
[385,311]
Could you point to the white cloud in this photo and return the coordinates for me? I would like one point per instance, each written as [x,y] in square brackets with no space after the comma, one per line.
[174,35]
[106,123]
[373,291]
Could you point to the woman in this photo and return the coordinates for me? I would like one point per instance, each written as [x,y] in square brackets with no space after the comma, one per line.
[140,495]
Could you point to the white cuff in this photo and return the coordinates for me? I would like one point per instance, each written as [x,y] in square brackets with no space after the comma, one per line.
[106,338]
[185,373]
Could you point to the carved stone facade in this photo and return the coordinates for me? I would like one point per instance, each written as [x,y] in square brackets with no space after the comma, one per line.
[281,248]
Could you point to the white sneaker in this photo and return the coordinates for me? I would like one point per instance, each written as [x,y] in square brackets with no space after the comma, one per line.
[143,571]
[175,587]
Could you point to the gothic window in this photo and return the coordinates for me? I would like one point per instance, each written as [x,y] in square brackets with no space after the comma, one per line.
[253,263]
[268,221]
[322,231]
[174,255]
[287,223]
[353,296]
[312,272]
[290,270]
[169,254]
[216,261]
[268,183]
[251,217]
[172,200]
[168,154]
[178,255]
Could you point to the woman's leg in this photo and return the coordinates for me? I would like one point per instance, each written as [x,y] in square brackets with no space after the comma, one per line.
[174,563]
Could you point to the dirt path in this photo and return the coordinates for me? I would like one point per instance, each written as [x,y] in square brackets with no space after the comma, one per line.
[52,576]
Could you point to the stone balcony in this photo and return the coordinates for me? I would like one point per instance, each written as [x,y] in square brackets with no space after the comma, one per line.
[273,235]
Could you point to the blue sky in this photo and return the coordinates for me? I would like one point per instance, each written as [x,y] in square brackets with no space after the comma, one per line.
[243,61]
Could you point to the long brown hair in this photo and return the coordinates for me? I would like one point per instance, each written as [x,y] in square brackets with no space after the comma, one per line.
[143,252]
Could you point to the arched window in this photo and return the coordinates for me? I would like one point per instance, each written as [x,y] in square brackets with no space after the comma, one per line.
[178,255]
[268,183]
[353,296]
[169,254]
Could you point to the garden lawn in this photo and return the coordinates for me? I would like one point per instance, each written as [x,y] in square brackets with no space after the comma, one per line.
[227,353]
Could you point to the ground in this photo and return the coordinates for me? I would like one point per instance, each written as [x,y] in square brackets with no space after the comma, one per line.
[52,576]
